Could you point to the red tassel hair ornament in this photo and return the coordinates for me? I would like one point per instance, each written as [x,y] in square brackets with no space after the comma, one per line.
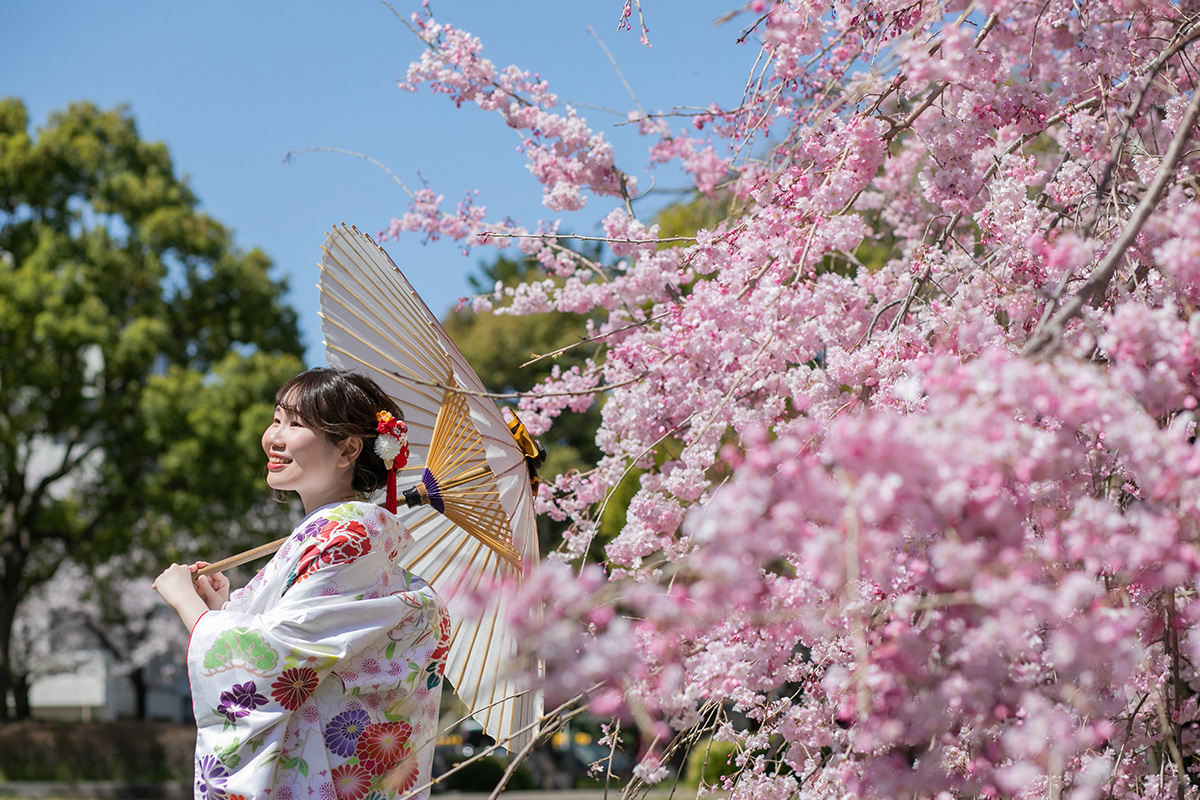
[391,445]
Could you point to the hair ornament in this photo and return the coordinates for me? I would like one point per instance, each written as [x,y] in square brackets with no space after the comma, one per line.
[391,445]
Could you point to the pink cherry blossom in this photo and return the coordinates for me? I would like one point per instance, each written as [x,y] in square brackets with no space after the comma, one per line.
[912,428]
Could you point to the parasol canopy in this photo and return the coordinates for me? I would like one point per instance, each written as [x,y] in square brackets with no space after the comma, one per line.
[478,528]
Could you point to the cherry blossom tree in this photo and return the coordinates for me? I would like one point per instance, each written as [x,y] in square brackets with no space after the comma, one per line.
[107,608]
[915,423]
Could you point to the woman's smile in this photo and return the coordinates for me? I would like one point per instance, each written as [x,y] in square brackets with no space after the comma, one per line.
[276,462]
[304,460]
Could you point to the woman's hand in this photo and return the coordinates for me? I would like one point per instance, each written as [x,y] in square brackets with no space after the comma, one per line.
[181,593]
[213,589]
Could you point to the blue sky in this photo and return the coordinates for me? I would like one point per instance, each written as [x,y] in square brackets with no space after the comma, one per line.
[230,87]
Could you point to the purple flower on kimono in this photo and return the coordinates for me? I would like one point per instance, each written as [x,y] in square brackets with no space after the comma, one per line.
[210,778]
[240,701]
[342,732]
[313,527]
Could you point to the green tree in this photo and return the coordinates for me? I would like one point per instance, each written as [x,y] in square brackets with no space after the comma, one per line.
[139,351]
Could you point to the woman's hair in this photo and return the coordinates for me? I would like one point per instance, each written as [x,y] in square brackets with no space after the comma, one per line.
[341,404]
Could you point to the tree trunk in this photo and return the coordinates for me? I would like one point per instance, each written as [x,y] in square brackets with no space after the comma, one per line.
[20,694]
[4,717]
[7,614]
[141,690]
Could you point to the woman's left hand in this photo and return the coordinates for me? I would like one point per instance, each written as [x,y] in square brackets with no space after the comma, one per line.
[213,589]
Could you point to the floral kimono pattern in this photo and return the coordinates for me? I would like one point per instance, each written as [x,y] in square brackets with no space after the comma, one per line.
[322,677]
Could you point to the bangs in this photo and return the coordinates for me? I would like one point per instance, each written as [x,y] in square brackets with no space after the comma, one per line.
[307,396]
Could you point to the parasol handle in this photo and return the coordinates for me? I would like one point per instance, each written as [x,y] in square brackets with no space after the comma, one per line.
[241,558]
[416,496]
[419,495]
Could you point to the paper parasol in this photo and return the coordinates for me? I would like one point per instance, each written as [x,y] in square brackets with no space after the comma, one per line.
[471,513]
[479,527]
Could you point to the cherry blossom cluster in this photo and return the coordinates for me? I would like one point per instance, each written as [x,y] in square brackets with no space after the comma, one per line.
[564,154]
[913,428]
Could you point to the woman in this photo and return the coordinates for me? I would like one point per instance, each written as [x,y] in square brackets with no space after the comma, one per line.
[322,677]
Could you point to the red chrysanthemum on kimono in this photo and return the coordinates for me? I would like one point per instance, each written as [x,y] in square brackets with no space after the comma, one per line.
[336,543]
[351,781]
[383,745]
[403,778]
[293,687]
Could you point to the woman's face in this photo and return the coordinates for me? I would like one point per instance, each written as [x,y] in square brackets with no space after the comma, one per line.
[303,460]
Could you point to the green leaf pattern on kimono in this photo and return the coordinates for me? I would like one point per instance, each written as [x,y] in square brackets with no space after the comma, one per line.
[240,649]
[228,753]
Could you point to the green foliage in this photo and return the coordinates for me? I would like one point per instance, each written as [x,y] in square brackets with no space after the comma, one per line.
[198,424]
[141,353]
[698,213]
[707,761]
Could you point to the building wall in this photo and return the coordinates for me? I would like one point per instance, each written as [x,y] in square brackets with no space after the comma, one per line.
[93,692]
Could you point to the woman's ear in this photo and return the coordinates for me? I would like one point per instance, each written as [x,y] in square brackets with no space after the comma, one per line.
[351,446]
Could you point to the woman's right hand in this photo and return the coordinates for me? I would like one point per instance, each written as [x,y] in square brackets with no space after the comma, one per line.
[213,589]
[177,588]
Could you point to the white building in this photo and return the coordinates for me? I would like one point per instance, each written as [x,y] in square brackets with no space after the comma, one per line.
[92,691]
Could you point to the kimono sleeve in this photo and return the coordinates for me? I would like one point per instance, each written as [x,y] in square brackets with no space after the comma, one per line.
[251,671]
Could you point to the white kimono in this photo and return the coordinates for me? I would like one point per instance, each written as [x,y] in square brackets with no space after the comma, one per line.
[321,679]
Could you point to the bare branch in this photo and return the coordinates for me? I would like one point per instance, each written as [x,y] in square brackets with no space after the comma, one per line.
[372,161]
[576,237]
